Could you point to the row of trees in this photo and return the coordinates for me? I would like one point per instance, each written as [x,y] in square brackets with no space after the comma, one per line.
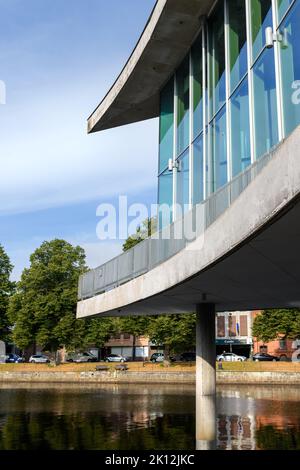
[41,308]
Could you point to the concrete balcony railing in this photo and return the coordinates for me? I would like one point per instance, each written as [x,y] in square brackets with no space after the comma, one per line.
[164,244]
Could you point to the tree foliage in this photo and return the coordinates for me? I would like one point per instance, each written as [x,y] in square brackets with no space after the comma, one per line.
[176,332]
[43,309]
[6,290]
[145,230]
[274,323]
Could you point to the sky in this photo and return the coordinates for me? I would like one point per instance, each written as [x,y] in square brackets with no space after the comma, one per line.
[58,58]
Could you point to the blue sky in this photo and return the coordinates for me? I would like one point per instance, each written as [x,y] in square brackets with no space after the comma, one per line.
[58,58]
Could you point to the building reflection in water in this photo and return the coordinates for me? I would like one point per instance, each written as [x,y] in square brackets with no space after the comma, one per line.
[129,418]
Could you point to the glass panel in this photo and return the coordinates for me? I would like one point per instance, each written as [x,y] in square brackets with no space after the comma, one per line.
[166,125]
[261,18]
[219,156]
[217,87]
[198,193]
[237,41]
[183,182]
[282,7]
[165,198]
[265,108]
[290,62]
[240,129]
[183,78]
[197,86]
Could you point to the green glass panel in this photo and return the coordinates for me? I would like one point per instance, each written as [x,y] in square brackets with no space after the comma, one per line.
[183,93]
[198,190]
[165,198]
[197,86]
[166,125]
[290,63]
[265,106]
[283,5]
[183,181]
[261,18]
[217,82]
[219,150]
[237,41]
[240,128]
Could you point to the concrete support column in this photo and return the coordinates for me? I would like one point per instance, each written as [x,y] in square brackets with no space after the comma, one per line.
[205,377]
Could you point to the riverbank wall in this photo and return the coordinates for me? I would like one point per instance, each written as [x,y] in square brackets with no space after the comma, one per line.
[167,377]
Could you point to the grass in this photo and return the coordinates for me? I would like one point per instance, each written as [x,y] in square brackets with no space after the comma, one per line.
[159,367]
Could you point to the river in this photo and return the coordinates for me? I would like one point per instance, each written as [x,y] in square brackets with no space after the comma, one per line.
[144,417]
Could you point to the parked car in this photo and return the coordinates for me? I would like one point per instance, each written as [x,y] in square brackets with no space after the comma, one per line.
[230,357]
[39,359]
[264,357]
[13,358]
[160,357]
[187,356]
[115,358]
[82,357]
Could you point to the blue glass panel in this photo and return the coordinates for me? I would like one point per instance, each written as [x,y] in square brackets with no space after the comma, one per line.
[261,18]
[283,5]
[165,198]
[219,150]
[197,86]
[217,87]
[183,181]
[265,106]
[198,189]
[290,62]
[166,125]
[237,41]
[183,92]
[240,129]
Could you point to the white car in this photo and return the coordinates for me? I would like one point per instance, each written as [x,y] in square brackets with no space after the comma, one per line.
[39,359]
[230,357]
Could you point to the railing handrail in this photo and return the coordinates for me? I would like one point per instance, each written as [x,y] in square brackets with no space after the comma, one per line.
[253,170]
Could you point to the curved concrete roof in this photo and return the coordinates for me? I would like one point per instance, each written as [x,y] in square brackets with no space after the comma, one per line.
[167,37]
[250,258]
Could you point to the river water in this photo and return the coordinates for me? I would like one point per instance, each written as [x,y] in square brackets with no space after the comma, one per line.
[144,417]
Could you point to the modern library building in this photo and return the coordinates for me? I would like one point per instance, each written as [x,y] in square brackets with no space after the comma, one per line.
[224,79]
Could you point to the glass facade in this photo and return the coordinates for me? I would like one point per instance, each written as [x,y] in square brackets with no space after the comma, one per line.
[217,82]
[197,86]
[232,99]
[219,150]
[289,34]
[240,129]
[265,107]
[166,125]
[183,104]
[198,166]
[261,18]
[237,41]
[183,181]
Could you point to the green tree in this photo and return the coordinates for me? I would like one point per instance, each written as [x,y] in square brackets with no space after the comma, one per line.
[136,326]
[43,309]
[99,330]
[274,323]
[176,332]
[6,290]
[145,230]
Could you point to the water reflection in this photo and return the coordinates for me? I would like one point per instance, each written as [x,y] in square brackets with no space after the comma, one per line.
[144,417]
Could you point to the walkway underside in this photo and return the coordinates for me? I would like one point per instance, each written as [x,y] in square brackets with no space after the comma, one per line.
[249,257]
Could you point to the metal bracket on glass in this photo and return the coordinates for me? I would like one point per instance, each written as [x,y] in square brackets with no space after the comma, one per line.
[173,165]
[272,37]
